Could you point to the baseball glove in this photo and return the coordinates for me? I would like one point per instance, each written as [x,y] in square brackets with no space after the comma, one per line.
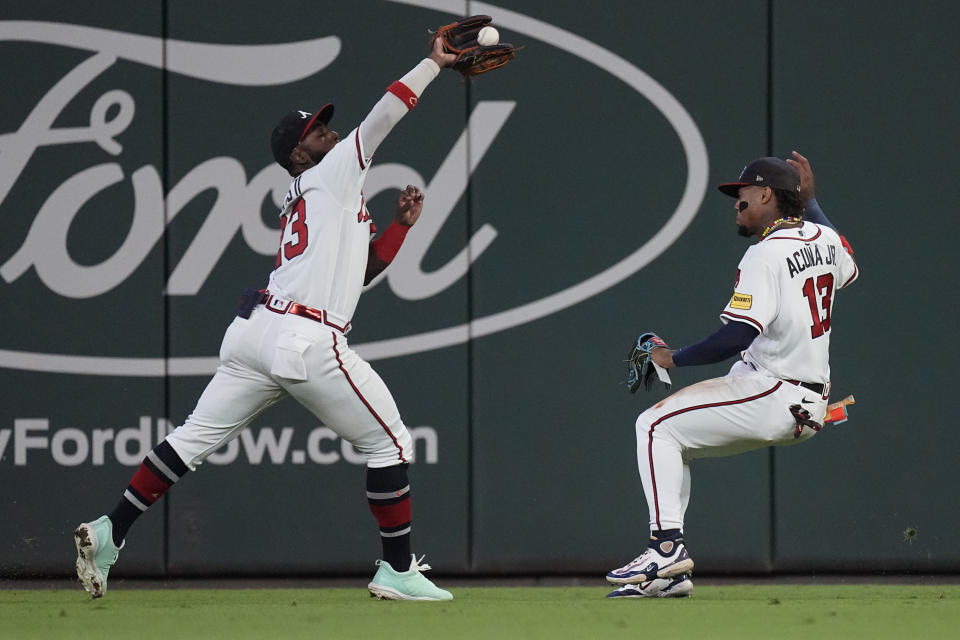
[460,38]
[640,369]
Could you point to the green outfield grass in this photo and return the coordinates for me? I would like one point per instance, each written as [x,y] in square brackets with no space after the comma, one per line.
[718,612]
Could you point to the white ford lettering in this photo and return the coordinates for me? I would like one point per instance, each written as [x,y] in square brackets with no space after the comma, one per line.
[32,440]
[236,208]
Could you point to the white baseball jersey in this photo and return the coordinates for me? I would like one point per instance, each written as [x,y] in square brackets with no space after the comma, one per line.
[321,264]
[784,288]
[326,231]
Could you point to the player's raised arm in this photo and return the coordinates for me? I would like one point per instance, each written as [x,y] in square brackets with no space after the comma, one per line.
[812,212]
[401,97]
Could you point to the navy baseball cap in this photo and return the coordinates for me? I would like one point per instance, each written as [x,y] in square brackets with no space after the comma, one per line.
[764,172]
[292,129]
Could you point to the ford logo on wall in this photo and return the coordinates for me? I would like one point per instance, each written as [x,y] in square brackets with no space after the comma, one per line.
[40,256]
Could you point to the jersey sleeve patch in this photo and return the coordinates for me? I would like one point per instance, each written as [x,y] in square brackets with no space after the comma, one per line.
[741,301]
[755,299]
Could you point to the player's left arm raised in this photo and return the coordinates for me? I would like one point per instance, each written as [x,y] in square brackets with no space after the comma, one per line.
[808,194]
[384,249]
[400,98]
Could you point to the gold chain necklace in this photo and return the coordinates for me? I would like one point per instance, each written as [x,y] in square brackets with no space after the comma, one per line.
[776,223]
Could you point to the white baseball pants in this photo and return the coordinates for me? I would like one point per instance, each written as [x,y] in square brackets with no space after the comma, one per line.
[271,355]
[739,412]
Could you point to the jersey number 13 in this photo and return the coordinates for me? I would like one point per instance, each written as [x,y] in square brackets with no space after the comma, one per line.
[818,296]
[293,232]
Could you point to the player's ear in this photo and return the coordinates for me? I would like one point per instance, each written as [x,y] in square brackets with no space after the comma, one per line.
[298,156]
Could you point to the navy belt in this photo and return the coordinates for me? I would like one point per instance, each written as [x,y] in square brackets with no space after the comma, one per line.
[816,387]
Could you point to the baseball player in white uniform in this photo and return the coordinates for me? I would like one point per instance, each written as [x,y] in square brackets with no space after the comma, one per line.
[779,321]
[290,339]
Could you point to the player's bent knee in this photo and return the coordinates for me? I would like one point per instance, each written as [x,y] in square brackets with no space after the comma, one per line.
[388,457]
[396,447]
[195,442]
[644,421]
[189,452]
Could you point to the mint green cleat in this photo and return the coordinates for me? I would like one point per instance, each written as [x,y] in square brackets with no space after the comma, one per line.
[96,553]
[408,585]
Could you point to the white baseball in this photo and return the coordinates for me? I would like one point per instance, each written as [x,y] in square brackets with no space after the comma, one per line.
[488,36]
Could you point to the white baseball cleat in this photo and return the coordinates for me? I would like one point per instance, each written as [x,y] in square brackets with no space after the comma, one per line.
[666,559]
[679,586]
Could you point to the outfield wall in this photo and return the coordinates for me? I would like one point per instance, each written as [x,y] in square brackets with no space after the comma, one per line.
[570,206]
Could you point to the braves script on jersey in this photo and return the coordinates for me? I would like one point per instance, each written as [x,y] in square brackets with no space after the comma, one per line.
[784,288]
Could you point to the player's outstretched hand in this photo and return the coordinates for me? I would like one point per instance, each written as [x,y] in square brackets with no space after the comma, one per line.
[640,370]
[440,55]
[802,165]
[663,356]
[409,206]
